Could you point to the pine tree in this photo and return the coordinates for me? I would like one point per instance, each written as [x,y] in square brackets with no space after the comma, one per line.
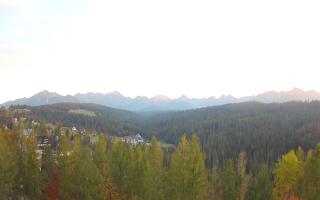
[199,178]
[87,178]
[31,169]
[216,186]
[100,155]
[153,172]
[187,173]
[65,169]
[137,172]
[8,168]
[243,177]
[287,175]
[230,190]
[262,186]
[101,161]
[118,157]
[311,179]
[179,170]
[47,163]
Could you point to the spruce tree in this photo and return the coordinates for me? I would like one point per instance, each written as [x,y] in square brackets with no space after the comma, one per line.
[153,172]
[179,170]
[287,176]
[187,172]
[65,169]
[230,190]
[199,178]
[262,186]
[311,179]
[87,178]
[243,177]
[31,169]
[8,168]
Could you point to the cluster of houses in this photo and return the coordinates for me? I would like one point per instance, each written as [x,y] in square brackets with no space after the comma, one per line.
[133,139]
[52,138]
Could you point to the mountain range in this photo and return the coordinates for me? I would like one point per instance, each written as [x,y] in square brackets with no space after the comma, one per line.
[161,102]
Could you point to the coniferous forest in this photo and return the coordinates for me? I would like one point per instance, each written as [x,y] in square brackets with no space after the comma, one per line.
[117,170]
[237,152]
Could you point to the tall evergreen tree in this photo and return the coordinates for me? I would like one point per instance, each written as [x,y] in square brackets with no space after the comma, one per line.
[65,169]
[311,179]
[31,169]
[262,186]
[230,190]
[8,168]
[87,178]
[101,161]
[187,173]
[216,184]
[199,177]
[118,157]
[287,175]
[243,177]
[153,172]
[179,172]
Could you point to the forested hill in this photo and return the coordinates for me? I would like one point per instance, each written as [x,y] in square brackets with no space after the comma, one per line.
[86,116]
[264,131]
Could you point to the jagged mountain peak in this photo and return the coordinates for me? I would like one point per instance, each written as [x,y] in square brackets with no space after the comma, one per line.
[46,93]
[161,102]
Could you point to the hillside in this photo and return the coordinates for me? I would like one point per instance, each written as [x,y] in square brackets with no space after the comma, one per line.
[264,131]
[89,116]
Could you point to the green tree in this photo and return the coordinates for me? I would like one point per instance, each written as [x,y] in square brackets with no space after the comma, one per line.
[243,177]
[47,164]
[199,176]
[101,161]
[311,179]
[187,173]
[179,170]
[216,184]
[65,168]
[118,157]
[87,178]
[8,168]
[137,172]
[287,175]
[31,169]
[230,190]
[262,186]
[153,172]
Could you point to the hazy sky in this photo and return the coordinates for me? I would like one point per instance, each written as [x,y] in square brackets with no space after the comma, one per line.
[147,47]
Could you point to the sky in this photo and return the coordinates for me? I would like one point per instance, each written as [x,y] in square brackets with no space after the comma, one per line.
[198,48]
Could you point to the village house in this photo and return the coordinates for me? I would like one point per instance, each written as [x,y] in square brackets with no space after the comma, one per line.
[133,139]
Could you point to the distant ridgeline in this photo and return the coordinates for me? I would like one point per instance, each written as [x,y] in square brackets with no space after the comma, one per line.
[161,102]
[263,131]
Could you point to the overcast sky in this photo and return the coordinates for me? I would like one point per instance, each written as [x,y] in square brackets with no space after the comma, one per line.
[148,47]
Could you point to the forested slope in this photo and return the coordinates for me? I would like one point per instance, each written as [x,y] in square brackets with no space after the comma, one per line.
[88,116]
[264,131]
